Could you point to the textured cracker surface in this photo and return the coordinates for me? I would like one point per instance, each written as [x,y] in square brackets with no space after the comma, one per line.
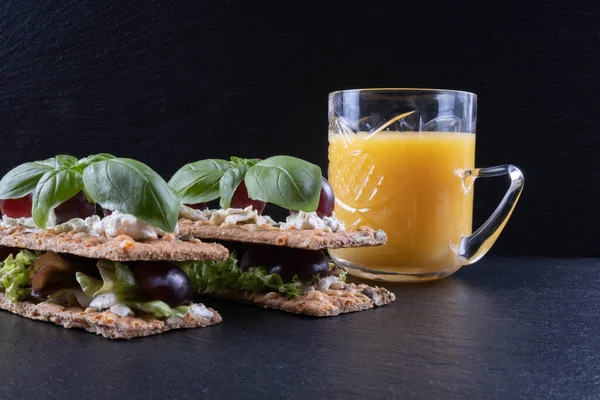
[105,323]
[319,304]
[299,238]
[121,248]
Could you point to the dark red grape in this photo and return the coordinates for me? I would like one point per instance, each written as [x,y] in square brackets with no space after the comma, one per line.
[285,261]
[17,208]
[106,212]
[258,256]
[164,281]
[198,206]
[326,200]
[77,206]
[240,199]
[304,263]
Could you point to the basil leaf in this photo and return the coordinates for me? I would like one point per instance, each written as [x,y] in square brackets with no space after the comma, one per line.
[66,161]
[229,183]
[235,161]
[51,162]
[286,181]
[84,162]
[22,180]
[54,187]
[199,182]
[129,186]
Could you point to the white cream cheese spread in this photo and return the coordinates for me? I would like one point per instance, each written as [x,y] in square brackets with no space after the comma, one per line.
[242,216]
[111,226]
[227,217]
[310,220]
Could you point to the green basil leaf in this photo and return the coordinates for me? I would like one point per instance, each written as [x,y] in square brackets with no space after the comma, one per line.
[199,182]
[22,180]
[229,183]
[129,186]
[66,161]
[236,161]
[51,162]
[84,162]
[55,187]
[286,181]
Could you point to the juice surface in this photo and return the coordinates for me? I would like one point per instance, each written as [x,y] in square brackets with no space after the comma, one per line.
[409,185]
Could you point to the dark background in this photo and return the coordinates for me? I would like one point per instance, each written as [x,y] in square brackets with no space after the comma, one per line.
[170,82]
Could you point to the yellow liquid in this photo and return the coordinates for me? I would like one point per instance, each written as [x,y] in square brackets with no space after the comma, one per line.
[409,185]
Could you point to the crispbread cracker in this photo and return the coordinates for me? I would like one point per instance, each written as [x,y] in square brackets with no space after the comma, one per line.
[309,239]
[105,323]
[316,303]
[121,248]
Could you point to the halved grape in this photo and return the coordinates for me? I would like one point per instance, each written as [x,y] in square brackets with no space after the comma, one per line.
[17,208]
[304,263]
[285,261]
[77,206]
[258,256]
[326,201]
[163,281]
[240,199]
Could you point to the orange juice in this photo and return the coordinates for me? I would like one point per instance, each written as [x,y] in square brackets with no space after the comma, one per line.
[408,184]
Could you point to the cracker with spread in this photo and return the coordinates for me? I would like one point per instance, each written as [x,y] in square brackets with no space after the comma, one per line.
[279,265]
[119,276]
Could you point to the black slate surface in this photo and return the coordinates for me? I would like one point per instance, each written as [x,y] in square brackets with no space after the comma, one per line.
[505,328]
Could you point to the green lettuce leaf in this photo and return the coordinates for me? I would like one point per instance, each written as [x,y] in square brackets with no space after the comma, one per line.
[64,297]
[216,276]
[159,309]
[89,285]
[117,278]
[15,275]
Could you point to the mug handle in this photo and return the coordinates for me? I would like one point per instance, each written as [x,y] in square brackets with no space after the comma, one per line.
[474,246]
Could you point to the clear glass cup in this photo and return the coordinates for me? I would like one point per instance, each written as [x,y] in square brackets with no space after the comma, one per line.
[402,160]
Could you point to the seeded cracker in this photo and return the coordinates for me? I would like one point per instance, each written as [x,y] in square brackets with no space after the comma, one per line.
[308,239]
[122,248]
[319,304]
[105,323]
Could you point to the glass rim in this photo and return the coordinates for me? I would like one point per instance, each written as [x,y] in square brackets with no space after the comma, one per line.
[405,90]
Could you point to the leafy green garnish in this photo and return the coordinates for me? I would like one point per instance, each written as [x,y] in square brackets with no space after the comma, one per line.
[119,184]
[209,277]
[159,309]
[286,181]
[15,275]
[54,187]
[22,180]
[117,278]
[198,182]
[132,187]
[64,296]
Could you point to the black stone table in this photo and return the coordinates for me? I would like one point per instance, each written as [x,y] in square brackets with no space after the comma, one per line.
[504,328]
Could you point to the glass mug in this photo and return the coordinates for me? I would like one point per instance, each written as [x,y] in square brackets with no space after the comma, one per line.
[402,160]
